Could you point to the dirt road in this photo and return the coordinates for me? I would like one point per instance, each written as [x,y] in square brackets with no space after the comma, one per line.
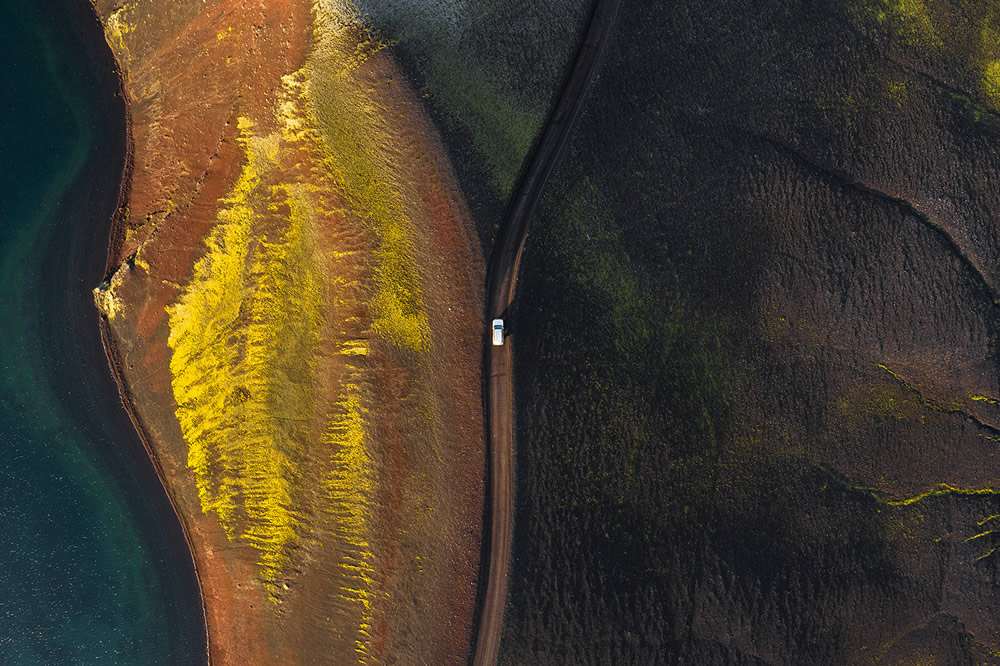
[501,281]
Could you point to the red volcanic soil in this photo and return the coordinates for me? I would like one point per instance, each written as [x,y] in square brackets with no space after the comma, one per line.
[190,70]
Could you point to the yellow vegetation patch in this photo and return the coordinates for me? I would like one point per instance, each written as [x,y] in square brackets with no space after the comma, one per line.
[243,334]
[359,145]
[887,401]
[106,299]
[898,91]
[913,22]
[266,309]
[349,487]
[991,82]
[115,30]
[879,400]
[943,489]
[986,59]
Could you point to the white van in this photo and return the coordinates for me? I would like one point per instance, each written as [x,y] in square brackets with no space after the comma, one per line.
[497,332]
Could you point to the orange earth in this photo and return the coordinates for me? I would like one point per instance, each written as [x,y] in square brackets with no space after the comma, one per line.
[293,311]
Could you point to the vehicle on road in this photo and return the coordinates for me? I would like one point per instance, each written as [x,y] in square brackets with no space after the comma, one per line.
[497,332]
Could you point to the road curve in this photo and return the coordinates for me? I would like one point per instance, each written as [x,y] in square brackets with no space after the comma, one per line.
[498,363]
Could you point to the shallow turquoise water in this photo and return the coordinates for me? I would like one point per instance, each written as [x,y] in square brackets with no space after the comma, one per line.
[93,566]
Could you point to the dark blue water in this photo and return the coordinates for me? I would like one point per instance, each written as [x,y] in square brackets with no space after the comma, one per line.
[93,565]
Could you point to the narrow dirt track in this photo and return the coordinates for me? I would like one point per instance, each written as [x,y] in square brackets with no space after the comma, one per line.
[498,362]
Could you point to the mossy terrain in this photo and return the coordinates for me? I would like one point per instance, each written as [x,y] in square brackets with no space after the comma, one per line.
[755,335]
[254,331]
[298,337]
[347,124]
[242,361]
[753,318]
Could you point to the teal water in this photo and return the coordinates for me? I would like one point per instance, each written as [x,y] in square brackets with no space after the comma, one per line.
[93,565]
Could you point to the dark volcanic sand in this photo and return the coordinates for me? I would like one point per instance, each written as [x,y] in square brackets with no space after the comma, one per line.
[757,329]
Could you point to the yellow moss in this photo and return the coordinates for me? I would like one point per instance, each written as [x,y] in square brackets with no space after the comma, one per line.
[132,236]
[911,21]
[243,333]
[350,487]
[985,61]
[879,400]
[354,348]
[991,82]
[914,22]
[943,489]
[360,148]
[107,301]
[898,91]
[115,30]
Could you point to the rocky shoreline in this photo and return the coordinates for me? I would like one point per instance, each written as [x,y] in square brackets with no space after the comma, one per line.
[116,239]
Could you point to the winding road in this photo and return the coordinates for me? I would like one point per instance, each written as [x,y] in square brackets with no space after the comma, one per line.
[498,363]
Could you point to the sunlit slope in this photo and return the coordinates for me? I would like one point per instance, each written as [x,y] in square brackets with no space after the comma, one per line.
[316,366]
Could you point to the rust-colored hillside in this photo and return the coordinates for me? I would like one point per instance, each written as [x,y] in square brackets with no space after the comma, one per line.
[293,307]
